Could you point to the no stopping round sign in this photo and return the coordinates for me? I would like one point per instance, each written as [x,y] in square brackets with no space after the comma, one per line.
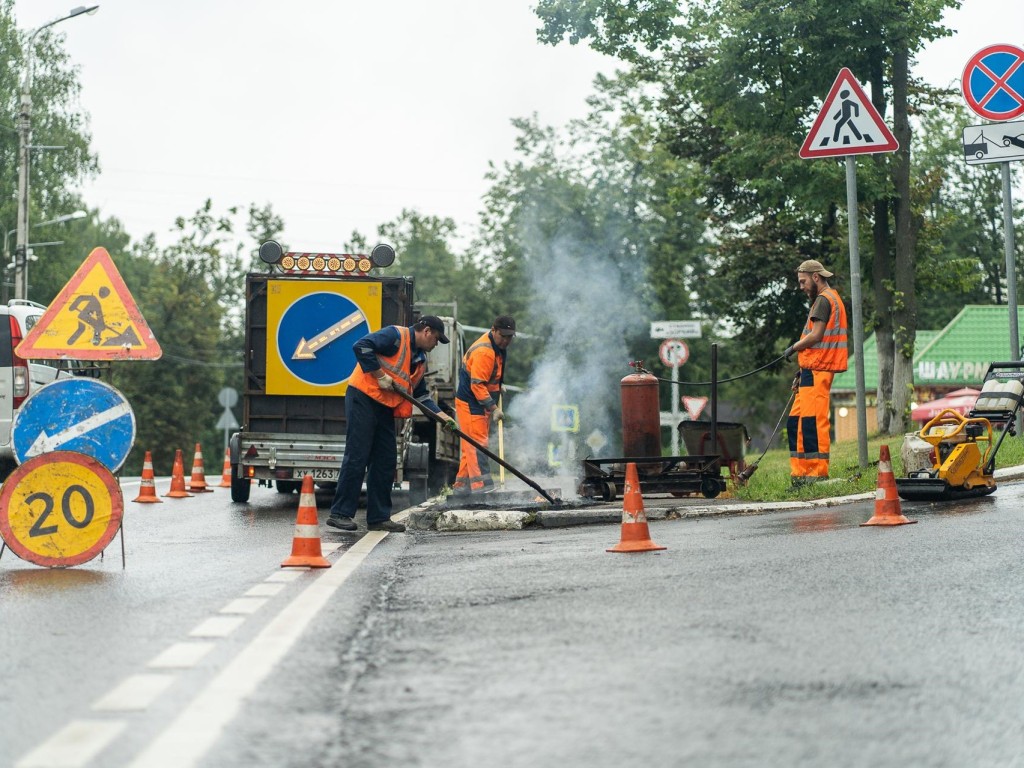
[673,352]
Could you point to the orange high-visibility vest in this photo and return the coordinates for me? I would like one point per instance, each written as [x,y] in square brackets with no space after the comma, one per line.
[482,367]
[398,368]
[829,354]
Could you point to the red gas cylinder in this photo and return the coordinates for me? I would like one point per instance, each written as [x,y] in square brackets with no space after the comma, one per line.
[641,416]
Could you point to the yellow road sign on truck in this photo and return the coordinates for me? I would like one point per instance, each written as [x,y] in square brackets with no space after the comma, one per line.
[94,317]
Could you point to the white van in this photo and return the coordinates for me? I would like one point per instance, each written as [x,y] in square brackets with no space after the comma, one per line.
[18,377]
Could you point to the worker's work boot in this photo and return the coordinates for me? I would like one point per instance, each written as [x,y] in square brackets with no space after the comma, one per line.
[388,525]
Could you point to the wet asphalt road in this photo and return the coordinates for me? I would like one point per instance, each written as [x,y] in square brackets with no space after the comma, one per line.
[780,639]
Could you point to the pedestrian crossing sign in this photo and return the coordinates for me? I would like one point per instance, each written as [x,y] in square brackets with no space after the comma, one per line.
[94,317]
[848,124]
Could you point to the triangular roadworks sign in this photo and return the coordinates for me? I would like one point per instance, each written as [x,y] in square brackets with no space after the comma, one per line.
[94,317]
[848,124]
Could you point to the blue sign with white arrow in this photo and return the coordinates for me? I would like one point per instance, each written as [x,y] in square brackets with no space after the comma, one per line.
[75,414]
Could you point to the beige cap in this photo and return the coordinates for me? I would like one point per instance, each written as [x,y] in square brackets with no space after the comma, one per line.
[811,265]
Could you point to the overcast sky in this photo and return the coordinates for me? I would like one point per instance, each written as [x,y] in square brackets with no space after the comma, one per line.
[339,113]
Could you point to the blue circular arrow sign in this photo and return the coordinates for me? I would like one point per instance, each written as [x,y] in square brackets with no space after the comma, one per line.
[315,336]
[75,414]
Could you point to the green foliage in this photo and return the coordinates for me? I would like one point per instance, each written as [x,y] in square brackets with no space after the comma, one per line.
[424,250]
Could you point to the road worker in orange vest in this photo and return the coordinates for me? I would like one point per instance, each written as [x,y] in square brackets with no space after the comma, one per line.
[821,353]
[390,359]
[477,402]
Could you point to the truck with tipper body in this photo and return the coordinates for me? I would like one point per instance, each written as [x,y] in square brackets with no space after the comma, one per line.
[302,317]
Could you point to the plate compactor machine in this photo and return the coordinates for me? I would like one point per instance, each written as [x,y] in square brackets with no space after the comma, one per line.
[963,450]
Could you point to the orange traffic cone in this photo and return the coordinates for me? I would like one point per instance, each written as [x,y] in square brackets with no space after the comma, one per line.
[635,535]
[178,479]
[147,488]
[306,543]
[225,475]
[887,500]
[197,483]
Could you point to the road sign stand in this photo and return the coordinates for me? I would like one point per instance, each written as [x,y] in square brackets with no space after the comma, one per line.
[858,320]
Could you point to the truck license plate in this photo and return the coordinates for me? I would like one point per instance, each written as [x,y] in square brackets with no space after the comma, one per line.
[325,474]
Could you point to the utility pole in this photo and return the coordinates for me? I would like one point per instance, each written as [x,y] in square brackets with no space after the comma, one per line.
[24,150]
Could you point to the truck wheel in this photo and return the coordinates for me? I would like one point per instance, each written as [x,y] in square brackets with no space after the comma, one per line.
[240,486]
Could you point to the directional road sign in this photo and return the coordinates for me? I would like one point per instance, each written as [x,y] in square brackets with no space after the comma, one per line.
[675,329]
[94,317]
[75,414]
[848,124]
[311,327]
[993,143]
[993,82]
[61,509]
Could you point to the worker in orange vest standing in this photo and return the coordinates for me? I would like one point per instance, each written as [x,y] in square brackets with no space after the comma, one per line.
[821,353]
[477,402]
[393,358]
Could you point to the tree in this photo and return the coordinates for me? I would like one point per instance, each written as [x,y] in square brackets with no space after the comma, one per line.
[737,81]
[424,249]
[57,120]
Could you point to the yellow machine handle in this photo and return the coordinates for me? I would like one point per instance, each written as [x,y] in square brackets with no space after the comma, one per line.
[933,434]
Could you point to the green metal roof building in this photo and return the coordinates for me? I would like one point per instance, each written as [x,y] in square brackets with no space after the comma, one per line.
[956,356]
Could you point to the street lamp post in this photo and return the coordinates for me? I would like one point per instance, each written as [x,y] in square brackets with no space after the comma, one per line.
[24,150]
[7,254]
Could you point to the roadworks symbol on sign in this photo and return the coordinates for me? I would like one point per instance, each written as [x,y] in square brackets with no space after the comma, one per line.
[94,317]
[848,124]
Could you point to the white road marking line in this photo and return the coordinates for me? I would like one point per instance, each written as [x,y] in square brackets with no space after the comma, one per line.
[264,590]
[217,626]
[284,575]
[74,745]
[244,605]
[134,693]
[197,728]
[181,656]
[330,546]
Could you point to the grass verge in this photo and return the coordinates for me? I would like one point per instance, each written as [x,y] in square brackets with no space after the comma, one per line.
[771,480]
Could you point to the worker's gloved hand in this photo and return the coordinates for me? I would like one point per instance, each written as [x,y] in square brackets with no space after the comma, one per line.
[451,425]
[788,354]
[386,383]
[497,415]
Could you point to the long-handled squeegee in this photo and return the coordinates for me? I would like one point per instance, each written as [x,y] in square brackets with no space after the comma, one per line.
[483,449]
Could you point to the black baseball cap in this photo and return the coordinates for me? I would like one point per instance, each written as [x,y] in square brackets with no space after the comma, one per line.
[435,323]
[505,325]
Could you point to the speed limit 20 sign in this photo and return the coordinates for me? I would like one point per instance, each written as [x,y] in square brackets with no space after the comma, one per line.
[673,352]
[59,509]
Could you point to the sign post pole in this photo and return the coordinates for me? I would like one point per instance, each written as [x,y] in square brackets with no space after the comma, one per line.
[675,410]
[1011,271]
[858,320]
[849,125]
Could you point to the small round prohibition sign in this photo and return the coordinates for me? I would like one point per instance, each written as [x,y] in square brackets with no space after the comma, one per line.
[60,509]
[993,82]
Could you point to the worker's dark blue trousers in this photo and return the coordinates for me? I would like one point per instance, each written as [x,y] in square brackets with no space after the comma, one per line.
[370,449]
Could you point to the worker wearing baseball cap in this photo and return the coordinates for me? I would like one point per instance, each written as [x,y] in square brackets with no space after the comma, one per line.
[478,402]
[391,359]
[821,353]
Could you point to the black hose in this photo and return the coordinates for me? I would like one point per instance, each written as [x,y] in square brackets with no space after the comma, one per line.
[641,369]
[752,467]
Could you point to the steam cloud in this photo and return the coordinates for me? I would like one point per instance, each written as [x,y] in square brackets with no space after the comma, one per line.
[590,297]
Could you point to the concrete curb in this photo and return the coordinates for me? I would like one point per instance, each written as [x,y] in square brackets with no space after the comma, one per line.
[433,515]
